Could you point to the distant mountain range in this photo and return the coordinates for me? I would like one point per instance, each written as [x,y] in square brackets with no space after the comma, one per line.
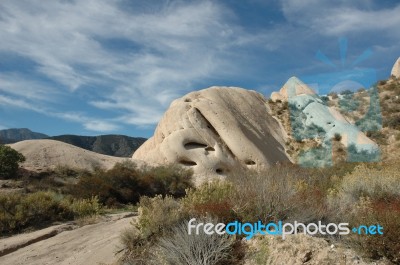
[113,145]
[10,136]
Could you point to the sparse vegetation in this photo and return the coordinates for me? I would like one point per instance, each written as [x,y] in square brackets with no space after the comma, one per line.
[125,183]
[9,162]
[202,249]
[287,193]
[337,137]
[19,212]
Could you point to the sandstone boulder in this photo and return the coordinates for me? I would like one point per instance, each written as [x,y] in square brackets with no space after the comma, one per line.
[396,68]
[214,130]
[293,87]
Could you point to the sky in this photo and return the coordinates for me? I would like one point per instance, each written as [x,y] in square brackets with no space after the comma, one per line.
[114,66]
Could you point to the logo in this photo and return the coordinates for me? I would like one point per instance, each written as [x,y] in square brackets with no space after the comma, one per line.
[279,228]
[352,89]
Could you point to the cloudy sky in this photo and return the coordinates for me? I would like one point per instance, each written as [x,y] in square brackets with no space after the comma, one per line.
[113,66]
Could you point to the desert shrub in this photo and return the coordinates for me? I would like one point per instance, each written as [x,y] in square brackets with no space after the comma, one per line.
[277,194]
[21,211]
[259,251]
[398,136]
[32,210]
[386,213]
[166,180]
[211,199]
[346,92]
[337,137]
[371,195]
[83,207]
[202,249]
[9,161]
[361,89]
[334,95]
[157,215]
[125,183]
[325,99]
[382,82]
[355,154]
[131,238]
[376,183]
[377,136]
[392,122]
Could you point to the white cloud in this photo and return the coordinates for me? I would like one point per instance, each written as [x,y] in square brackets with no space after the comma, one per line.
[176,46]
[338,18]
[15,84]
[89,123]
[100,126]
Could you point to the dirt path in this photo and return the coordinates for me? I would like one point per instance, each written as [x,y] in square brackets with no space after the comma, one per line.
[91,244]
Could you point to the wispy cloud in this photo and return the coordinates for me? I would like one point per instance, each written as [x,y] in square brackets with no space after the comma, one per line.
[89,123]
[130,59]
[343,17]
[166,51]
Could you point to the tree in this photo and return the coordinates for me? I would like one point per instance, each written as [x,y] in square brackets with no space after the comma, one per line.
[9,161]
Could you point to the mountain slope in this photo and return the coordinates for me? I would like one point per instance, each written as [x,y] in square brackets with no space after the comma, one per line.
[113,145]
[9,136]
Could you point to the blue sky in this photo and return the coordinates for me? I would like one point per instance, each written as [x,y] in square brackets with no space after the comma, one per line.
[113,67]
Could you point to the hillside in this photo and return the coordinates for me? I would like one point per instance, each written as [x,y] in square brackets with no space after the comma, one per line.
[355,107]
[42,155]
[112,145]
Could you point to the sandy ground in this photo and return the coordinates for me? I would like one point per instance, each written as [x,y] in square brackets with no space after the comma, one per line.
[91,244]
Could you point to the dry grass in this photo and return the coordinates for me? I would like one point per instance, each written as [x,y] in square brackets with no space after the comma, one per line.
[185,249]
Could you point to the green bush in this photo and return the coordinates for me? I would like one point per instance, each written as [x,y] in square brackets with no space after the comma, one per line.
[157,215]
[82,207]
[125,183]
[211,199]
[22,211]
[337,137]
[9,160]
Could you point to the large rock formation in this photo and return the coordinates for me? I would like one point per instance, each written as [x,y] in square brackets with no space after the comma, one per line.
[293,87]
[396,68]
[215,130]
[311,118]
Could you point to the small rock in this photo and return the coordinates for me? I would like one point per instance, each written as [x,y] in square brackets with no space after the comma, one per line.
[307,257]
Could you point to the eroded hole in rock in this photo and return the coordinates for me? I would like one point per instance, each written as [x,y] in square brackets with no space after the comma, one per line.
[188,100]
[209,148]
[219,171]
[194,145]
[187,162]
[250,162]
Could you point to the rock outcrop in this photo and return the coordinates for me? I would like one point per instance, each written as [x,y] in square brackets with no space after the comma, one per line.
[215,130]
[396,69]
[311,118]
[293,87]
